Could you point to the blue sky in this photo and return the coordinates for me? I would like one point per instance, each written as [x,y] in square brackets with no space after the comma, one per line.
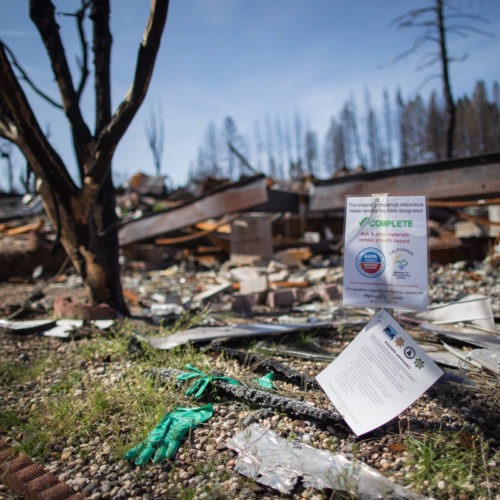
[248,59]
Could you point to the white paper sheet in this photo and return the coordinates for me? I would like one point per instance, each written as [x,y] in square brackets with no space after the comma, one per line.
[378,375]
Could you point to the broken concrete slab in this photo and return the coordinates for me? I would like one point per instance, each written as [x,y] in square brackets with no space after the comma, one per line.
[293,257]
[282,298]
[211,291]
[326,293]
[244,304]
[244,273]
[254,285]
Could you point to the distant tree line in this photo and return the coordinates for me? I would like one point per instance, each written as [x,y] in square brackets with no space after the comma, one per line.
[399,132]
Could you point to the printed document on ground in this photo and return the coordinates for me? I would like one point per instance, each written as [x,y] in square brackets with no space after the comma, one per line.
[378,375]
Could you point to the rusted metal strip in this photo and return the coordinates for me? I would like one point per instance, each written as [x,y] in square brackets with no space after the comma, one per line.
[477,177]
[29,479]
[463,204]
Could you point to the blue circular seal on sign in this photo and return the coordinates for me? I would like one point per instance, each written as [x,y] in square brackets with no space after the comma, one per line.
[370,262]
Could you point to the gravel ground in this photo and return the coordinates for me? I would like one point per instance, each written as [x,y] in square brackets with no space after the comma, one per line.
[204,466]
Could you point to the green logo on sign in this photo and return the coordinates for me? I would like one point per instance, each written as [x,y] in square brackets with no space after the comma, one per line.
[385,222]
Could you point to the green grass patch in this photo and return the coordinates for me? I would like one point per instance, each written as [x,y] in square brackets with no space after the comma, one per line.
[19,372]
[447,464]
[9,419]
[96,388]
[122,412]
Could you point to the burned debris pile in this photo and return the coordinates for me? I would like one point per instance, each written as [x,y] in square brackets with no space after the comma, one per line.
[238,286]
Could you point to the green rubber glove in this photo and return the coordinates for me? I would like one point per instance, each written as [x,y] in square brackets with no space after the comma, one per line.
[165,439]
[203,380]
[266,381]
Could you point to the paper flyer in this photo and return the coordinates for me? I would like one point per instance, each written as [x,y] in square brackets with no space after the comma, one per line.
[385,256]
[378,375]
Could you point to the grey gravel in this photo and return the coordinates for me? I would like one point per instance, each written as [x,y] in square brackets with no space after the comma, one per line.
[204,467]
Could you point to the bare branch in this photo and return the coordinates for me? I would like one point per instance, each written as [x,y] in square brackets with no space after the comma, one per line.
[462,58]
[423,24]
[242,159]
[408,17]
[42,15]
[155,135]
[102,57]
[25,77]
[113,132]
[29,136]
[424,82]
[457,14]
[428,59]
[461,29]
[83,62]
[418,42]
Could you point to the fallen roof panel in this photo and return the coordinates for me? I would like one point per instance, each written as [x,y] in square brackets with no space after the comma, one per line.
[232,198]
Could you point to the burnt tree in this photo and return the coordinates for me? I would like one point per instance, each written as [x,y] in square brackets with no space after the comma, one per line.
[436,26]
[83,214]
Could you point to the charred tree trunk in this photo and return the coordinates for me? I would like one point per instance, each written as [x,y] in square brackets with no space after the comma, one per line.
[84,216]
[90,239]
[450,109]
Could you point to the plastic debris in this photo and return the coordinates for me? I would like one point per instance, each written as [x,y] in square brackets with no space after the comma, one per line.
[264,399]
[166,438]
[276,462]
[266,381]
[202,381]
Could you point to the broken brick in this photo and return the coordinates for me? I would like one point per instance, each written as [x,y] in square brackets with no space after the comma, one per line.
[29,479]
[282,298]
[244,304]
[66,307]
